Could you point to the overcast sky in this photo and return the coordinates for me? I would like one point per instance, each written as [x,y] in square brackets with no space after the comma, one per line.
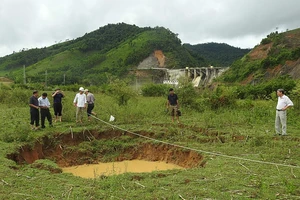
[240,23]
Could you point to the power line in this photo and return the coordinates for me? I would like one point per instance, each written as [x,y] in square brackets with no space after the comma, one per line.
[198,150]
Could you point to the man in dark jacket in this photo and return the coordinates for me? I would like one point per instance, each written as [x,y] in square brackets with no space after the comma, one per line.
[173,105]
[34,110]
[57,103]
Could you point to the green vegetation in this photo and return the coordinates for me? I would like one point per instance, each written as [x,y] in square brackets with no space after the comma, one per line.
[266,89]
[111,50]
[281,47]
[278,56]
[155,90]
[240,70]
[47,165]
[114,49]
[217,54]
[227,119]
[120,91]
[225,125]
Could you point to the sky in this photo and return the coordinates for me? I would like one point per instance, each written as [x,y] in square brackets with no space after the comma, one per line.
[240,23]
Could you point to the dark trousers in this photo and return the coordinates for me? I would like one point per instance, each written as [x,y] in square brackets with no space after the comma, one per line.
[89,109]
[45,113]
[34,117]
[57,109]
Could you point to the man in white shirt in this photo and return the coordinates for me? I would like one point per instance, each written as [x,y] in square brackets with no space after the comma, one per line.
[283,104]
[80,104]
[44,105]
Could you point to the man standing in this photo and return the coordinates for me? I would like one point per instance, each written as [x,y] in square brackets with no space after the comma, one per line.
[44,105]
[173,104]
[283,104]
[34,110]
[80,104]
[57,105]
[90,99]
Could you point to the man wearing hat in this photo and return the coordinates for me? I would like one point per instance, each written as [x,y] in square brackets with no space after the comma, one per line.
[90,99]
[80,104]
[283,104]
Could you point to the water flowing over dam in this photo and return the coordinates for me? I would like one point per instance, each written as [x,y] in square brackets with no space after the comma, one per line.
[204,75]
[200,77]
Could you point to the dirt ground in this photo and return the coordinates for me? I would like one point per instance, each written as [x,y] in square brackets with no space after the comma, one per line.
[260,52]
[6,80]
[160,57]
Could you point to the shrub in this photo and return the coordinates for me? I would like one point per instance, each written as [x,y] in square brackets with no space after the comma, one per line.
[187,95]
[264,90]
[221,98]
[265,41]
[295,54]
[120,90]
[269,62]
[155,90]
[16,97]
[246,104]
[4,86]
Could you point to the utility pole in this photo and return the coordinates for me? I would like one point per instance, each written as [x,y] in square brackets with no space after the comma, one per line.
[136,81]
[46,79]
[24,75]
[64,79]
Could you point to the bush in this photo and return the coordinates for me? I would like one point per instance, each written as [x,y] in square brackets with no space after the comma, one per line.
[120,91]
[5,86]
[187,95]
[295,54]
[269,62]
[221,98]
[16,97]
[264,90]
[265,41]
[155,90]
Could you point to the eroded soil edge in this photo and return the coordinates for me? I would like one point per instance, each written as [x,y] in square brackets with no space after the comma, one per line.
[83,148]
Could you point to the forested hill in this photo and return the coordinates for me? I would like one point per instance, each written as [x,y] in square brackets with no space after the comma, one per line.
[111,50]
[217,54]
[278,55]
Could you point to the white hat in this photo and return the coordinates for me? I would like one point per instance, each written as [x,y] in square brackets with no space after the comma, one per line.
[81,89]
[86,90]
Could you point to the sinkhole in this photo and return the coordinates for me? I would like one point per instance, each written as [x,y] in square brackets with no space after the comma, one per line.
[90,154]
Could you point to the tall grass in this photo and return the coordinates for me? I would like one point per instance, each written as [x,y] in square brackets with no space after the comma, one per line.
[244,129]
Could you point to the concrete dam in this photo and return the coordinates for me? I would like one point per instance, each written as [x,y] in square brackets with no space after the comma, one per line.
[198,76]
[154,70]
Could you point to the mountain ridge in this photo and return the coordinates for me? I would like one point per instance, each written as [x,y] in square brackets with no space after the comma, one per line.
[218,54]
[113,49]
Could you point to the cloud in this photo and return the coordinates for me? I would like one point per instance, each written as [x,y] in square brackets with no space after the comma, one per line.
[35,23]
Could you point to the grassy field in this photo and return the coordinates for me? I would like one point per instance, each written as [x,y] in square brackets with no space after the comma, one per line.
[240,133]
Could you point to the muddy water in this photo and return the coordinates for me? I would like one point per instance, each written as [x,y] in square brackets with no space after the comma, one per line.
[114,168]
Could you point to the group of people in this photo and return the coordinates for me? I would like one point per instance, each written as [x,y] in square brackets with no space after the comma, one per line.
[84,100]
[40,107]
[283,104]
